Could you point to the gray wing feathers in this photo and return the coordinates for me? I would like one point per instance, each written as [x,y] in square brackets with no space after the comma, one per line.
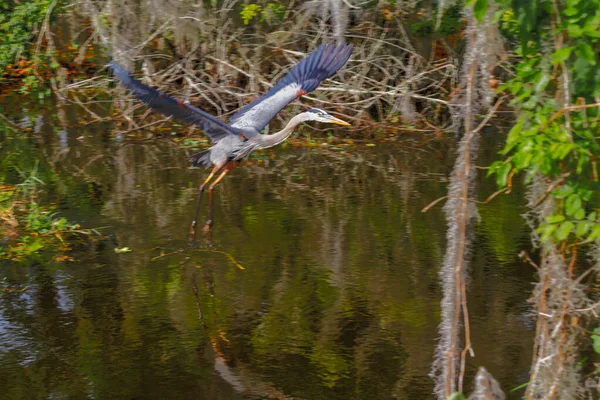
[262,113]
[212,126]
[304,77]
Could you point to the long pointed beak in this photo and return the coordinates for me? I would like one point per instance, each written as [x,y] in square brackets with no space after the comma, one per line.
[338,121]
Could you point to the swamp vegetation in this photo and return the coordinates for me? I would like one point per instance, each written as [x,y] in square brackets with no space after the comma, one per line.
[444,247]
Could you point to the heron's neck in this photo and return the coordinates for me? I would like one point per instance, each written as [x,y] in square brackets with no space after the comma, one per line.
[276,138]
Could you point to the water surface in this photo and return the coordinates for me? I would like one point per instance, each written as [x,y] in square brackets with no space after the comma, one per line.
[319,281]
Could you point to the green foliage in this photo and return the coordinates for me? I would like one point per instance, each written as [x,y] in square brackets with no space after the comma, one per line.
[519,387]
[28,227]
[249,12]
[596,340]
[451,23]
[480,7]
[32,85]
[19,22]
[558,143]
[580,24]
[509,26]
[271,13]
[596,346]
[533,18]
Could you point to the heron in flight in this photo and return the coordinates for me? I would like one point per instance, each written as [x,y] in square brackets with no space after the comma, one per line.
[234,141]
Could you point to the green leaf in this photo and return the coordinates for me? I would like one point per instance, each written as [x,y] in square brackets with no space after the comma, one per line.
[33,246]
[564,230]
[592,216]
[542,83]
[521,386]
[563,191]
[581,67]
[572,3]
[574,30]
[502,174]
[569,12]
[579,214]
[562,150]
[595,233]
[546,232]
[522,159]
[553,219]
[583,228]
[585,194]
[515,87]
[596,339]
[479,9]
[561,55]
[591,28]
[585,51]
[249,12]
[573,204]
[493,168]
[513,136]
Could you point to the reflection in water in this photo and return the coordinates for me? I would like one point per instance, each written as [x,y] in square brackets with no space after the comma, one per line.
[320,281]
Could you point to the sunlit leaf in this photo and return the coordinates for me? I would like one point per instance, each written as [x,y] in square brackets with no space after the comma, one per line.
[579,214]
[585,194]
[585,51]
[479,9]
[546,231]
[553,219]
[573,204]
[592,216]
[542,83]
[502,175]
[596,339]
[563,191]
[595,233]
[583,228]
[521,386]
[493,168]
[561,55]
[564,230]
[574,30]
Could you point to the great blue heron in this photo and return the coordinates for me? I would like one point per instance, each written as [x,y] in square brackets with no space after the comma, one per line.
[235,141]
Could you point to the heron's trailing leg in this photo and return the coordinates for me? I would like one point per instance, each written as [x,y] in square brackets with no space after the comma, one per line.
[209,221]
[200,191]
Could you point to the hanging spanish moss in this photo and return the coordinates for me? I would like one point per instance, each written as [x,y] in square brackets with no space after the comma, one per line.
[333,15]
[461,213]
[486,387]
[561,302]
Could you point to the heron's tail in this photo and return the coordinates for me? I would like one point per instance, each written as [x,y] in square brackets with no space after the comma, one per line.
[201,159]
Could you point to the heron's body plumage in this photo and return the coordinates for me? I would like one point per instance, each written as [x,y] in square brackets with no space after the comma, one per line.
[235,140]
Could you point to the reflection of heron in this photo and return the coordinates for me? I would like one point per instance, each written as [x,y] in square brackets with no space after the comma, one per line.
[235,141]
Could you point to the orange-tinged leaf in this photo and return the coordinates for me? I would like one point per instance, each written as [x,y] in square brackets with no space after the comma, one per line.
[63,258]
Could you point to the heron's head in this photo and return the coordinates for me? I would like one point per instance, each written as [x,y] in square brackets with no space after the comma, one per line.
[316,114]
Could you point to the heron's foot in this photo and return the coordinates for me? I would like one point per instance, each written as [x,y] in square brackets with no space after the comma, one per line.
[192,234]
[208,226]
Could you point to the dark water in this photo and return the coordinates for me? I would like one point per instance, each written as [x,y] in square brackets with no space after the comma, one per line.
[319,282]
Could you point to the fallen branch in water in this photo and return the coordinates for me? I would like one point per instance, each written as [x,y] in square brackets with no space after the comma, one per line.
[10,123]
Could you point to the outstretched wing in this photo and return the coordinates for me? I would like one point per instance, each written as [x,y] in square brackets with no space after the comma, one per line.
[304,77]
[212,126]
